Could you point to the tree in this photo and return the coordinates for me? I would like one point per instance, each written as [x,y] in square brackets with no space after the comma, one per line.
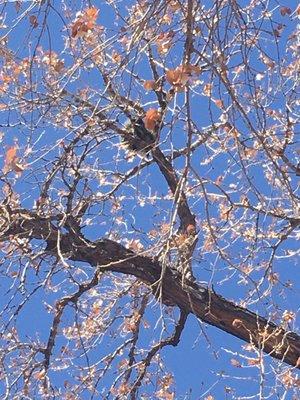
[150,172]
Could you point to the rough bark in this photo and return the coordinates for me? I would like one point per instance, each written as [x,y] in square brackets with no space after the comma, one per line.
[191,297]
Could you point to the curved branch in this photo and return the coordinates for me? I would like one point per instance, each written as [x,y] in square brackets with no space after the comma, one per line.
[166,168]
[170,341]
[193,298]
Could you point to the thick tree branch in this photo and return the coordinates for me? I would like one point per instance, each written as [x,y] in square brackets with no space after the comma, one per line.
[166,168]
[193,298]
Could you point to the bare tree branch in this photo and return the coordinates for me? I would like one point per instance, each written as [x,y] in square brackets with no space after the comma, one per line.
[204,303]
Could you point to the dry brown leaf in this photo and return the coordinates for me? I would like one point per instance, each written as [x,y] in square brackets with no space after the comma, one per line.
[164,42]
[180,76]
[11,162]
[219,103]
[177,78]
[175,5]
[33,21]
[11,155]
[235,363]
[40,375]
[253,361]
[151,119]
[207,89]
[288,316]
[116,57]
[85,22]
[149,85]
[92,13]
[273,278]
[285,11]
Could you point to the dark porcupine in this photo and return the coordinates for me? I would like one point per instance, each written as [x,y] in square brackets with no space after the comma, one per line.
[138,139]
